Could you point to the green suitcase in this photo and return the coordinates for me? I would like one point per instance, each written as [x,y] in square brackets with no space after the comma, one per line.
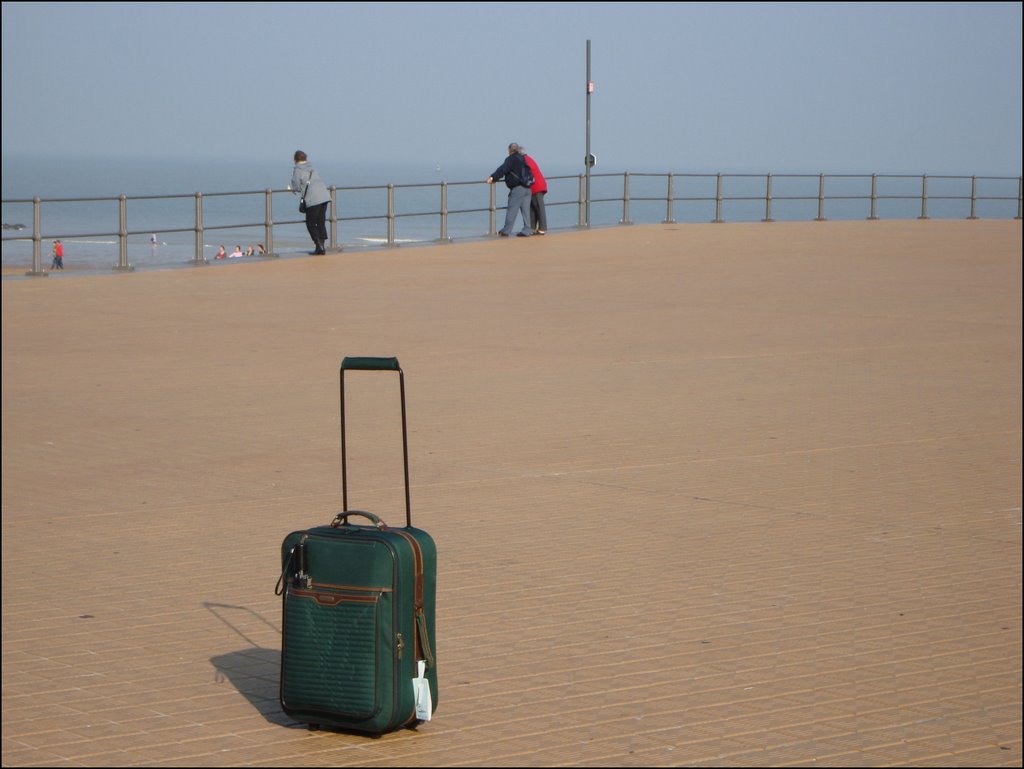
[358,649]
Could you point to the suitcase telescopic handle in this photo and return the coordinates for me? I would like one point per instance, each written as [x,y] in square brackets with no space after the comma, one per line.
[373,364]
[370,364]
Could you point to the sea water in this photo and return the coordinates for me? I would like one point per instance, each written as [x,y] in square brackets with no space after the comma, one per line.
[81,204]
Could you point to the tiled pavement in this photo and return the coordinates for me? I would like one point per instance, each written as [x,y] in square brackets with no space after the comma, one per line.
[705,495]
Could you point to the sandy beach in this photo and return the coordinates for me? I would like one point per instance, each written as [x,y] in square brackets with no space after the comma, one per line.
[717,495]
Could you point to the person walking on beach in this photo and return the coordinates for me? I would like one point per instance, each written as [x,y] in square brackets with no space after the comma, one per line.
[538,216]
[315,197]
[58,256]
[516,174]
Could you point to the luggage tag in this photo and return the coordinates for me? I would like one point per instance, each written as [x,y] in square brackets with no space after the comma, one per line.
[421,694]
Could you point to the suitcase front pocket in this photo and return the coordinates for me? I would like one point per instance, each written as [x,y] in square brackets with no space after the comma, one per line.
[330,661]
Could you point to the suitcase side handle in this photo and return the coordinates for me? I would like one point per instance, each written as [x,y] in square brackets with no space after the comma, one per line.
[373,364]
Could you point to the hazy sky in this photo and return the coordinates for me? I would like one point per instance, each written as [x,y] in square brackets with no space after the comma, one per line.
[805,87]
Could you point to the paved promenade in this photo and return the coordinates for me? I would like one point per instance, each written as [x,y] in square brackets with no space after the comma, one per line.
[704,495]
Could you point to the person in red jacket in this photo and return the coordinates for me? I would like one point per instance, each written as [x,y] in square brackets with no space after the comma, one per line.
[58,256]
[538,216]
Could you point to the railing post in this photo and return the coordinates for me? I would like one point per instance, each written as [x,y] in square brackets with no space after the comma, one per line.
[924,197]
[974,198]
[1018,198]
[874,198]
[268,224]
[269,246]
[122,236]
[391,215]
[669,200]
[625,199]
[821,199]
[718,201]
[768,200]
[199,257]
[444,213]
[582,218]
[334,217]
[492,207]
[37,243]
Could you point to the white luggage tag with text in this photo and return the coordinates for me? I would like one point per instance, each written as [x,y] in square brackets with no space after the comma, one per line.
[421,694]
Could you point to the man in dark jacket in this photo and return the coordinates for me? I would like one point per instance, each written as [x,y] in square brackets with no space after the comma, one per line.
[515,173]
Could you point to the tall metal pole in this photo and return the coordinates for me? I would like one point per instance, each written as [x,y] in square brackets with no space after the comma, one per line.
[586,160]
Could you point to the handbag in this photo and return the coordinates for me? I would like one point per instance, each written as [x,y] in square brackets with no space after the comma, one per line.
[302,200]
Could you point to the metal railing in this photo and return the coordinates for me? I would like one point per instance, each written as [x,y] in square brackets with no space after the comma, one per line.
[759,189]
[767,198]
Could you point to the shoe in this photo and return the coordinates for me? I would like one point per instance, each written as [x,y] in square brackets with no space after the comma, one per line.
[502,234]
[540,232]
[522,235]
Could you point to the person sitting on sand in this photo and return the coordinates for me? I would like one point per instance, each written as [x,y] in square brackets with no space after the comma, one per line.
[236,253]
[221,254]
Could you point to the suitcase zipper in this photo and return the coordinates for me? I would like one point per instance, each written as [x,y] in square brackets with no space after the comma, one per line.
[419,616]
[327,594]
[333,598]
[350,588]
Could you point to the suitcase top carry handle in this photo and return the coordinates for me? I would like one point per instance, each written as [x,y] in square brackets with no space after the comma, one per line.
[373,364]
[341,519]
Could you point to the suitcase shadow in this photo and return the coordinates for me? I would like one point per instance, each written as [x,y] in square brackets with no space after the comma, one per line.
[255,671]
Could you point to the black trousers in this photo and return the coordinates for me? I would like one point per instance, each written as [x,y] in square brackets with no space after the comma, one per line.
[316,223]
[538,216]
